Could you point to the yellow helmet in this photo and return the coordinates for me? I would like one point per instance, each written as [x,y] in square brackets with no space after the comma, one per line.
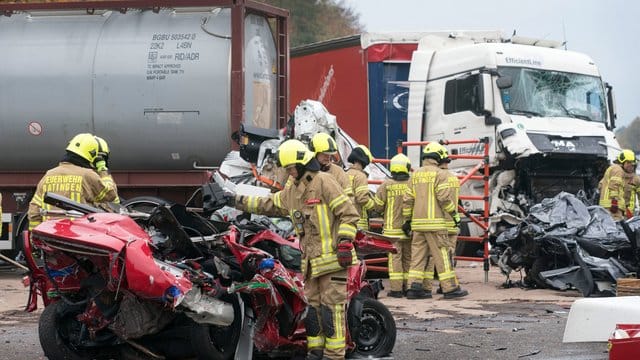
[400,164]
[103,147]
[323,143]
[360,154]
[435,151]
[626,155]
[292,152]
[85,145]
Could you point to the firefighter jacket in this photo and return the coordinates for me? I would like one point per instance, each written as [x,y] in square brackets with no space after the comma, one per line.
[430,195]
[108,180]
[388,201]
[75,182]
[322,214]
[612,187]
[342,178]
[631,187]
[361,197]
[454,185]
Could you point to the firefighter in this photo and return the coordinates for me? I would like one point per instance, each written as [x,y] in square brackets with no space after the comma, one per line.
[75,177]
[612,185]
[102,166]
[632,186]
[430,195]
[324,220]
[323,145]
[452,229]
[388,200]
[359,158]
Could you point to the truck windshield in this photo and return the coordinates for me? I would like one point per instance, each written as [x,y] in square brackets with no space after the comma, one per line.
[549,93]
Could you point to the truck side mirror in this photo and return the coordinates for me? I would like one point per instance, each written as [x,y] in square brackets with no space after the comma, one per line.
[492,121]
[611,100]
[486,95]
[504,82]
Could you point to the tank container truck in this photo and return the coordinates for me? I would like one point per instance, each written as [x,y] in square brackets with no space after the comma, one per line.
[166,83]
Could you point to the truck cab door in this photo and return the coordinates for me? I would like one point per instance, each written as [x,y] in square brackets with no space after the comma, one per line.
[465,113]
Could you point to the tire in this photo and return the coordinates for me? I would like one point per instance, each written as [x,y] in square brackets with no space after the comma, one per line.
[57,326]
[375,335]
[212,342]
[144,204]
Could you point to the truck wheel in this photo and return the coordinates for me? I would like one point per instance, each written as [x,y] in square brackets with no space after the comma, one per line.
[58,328]
[144,204]
[375,335]
[211,342]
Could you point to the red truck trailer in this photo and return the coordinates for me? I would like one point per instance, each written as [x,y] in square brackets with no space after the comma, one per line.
[362,79]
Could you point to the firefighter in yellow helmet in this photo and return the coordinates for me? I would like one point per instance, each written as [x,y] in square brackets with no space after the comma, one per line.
[74,177]
[431,274]
[359,158]
[324,220]
[324,147]
[429,198]
[612,185]
[102,166]
[388,201]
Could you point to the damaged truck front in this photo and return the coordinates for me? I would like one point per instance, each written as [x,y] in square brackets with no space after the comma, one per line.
[546,112]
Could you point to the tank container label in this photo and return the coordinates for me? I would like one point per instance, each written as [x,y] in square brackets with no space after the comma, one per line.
[168,54]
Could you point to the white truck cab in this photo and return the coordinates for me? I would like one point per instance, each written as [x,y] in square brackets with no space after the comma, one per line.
[546,113]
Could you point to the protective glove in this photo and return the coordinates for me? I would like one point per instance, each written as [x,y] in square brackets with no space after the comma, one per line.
[100,164]
[456,219]
[614,206]
[406,227]
[345,257]
[629,214]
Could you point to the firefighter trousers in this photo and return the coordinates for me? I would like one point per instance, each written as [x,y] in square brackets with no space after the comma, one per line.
[430,274]
[326,321]
[399,264]
[434,243]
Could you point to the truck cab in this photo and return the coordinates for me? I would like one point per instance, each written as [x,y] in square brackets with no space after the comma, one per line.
[546,113]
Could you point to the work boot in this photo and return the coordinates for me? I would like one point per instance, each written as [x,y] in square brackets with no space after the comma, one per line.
[316,354]
[417,292]
[457,293]
[395,294]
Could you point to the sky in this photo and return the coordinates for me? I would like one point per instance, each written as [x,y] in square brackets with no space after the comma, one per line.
[602,29]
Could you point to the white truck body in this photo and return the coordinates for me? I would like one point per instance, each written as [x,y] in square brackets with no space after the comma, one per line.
[546,112]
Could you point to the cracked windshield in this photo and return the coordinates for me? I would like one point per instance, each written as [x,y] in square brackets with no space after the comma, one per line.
[547,93]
